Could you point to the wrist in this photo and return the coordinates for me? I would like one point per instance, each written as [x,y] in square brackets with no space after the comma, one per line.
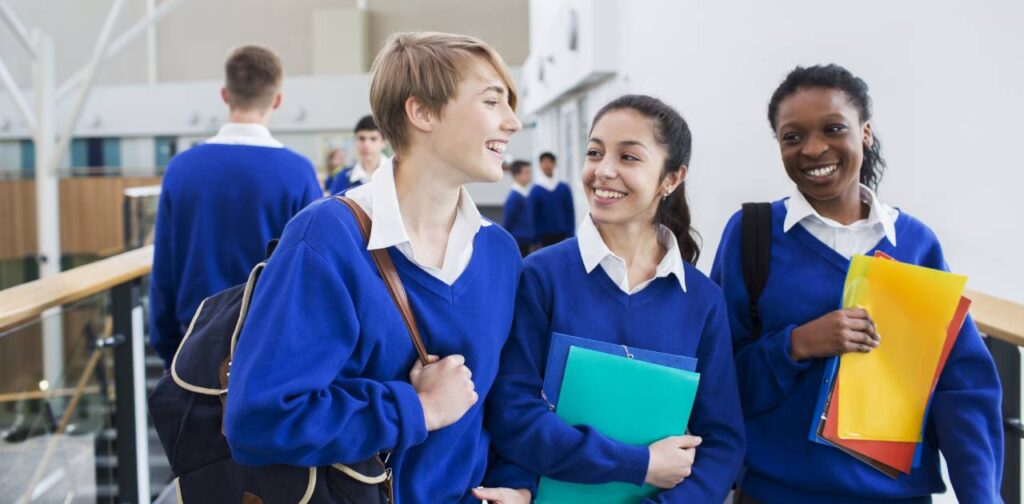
[428,411]
[795,344]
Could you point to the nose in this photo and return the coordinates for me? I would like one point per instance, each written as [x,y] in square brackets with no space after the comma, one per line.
[605,169]
[511,124]
[814,147]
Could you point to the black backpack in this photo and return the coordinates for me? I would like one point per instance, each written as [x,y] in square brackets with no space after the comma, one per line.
[756,249]
[187,407]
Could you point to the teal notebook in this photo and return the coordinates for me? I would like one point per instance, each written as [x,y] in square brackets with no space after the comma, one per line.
[626,399]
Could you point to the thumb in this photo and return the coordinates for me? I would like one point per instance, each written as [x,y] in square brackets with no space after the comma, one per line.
[689,441]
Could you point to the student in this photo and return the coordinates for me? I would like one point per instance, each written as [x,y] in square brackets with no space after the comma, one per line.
[333,163]
[627,278]
[370,145]
[821,116]
[324,370]
[552,205]
[518,212]
[223,200]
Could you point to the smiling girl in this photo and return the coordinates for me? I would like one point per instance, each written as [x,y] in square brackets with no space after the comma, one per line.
[821,116]
[627,278]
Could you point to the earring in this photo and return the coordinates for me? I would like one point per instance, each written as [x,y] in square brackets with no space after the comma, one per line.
[665,196]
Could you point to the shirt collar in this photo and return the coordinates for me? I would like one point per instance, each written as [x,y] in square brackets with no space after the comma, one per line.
[244,134]
[388,229]
[549,183]
[799,208]
[359,172]
[593,250]
[521,189]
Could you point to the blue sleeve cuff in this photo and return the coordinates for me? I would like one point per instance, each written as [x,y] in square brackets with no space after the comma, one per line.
[412,426]
[635,461]
[778,348]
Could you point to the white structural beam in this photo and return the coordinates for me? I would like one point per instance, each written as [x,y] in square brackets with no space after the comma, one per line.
[119,43]
[16,96]
[150,43]
[90,74]
[19,30]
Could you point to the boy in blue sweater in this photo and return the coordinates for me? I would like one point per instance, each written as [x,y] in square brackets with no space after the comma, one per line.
[627,278]
[370,145]
[821,117]
[223,200]
[552,204]
[325,371]
[518,218]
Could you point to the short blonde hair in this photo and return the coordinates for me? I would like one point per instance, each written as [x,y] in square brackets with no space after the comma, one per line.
[428,66]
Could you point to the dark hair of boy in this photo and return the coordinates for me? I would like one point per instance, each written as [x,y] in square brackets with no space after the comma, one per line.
[253,76]
[518,166]
[366,123]
[547,155]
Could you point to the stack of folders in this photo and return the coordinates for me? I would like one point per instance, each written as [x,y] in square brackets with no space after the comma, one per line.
[874,406]
[629,394]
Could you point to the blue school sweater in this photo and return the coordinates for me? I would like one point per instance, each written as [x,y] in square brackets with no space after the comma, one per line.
[557,295]
[219,206]
[341,182]
[321,371]
[553,210]
[518,218]
[805,282]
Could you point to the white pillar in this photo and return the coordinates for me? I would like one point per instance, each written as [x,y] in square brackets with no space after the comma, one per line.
[47,201]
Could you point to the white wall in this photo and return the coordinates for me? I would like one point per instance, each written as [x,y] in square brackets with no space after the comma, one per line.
[945,76]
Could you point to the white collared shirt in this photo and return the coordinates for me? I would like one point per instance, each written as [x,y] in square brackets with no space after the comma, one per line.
[848,240]
[521,189]
[244,134]
[379,199]
[549,183]
[595,251]
[359,174]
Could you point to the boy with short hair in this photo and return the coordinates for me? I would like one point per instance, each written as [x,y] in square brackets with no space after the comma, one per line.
[324,370]
[370,145]
[553,209]
[223,200]
[518,217]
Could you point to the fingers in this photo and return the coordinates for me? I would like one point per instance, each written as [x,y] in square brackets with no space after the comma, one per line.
[489,494]
[455,360]
[689,441]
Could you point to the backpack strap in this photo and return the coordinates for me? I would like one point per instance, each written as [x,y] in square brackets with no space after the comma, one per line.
[390,276]
[756,245]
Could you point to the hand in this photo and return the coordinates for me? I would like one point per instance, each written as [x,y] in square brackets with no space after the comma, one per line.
[835,333]
[445,388]
[503,495]
[671,460]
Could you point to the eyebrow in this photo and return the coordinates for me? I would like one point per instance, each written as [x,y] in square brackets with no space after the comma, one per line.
[624,143]
[497,89]
[830,117]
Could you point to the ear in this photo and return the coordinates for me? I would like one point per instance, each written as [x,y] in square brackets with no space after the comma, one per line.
[672,180]
[869,137]
[224,95]
[418,115]
[277,100]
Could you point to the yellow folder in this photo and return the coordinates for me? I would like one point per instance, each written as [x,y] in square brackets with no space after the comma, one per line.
[886,391]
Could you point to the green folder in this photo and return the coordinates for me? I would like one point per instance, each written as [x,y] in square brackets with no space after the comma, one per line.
[626,399]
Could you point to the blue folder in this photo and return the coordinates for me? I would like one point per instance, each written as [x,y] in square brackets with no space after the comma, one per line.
[558,354]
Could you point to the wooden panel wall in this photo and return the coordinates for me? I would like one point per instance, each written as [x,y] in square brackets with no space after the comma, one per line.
[17,219]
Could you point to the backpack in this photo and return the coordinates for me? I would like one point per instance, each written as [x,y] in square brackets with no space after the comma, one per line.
[756,249]
[187,407]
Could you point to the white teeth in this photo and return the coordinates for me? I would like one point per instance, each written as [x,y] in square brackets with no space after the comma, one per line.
[604,193]
[496,147]
[823,171]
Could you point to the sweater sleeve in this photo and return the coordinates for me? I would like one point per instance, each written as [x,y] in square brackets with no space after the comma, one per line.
[966,410]
[764,369]
[716,418]
[513,213]
[502,473]
[310,191]
[530,435]
[292,399]
[164,328]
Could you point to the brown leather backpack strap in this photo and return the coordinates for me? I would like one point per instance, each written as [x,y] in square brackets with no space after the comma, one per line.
[387,271]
